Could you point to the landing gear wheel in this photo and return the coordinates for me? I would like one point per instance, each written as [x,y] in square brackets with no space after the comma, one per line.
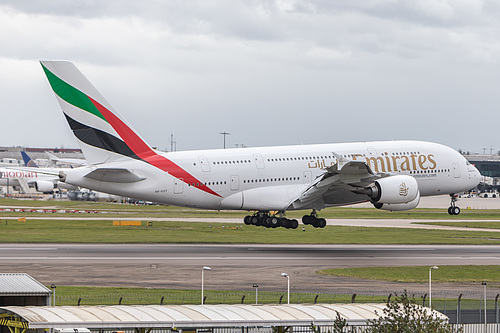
[247,220]
[307,219]
[293,224]
[321,223]
[285,223]
[273,222]
[314,220]
[453,209]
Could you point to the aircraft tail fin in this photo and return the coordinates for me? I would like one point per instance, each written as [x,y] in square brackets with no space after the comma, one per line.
[103,135]
[52,159]
[28,161]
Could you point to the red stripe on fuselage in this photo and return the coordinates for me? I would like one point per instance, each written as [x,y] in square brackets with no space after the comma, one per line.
[144,152]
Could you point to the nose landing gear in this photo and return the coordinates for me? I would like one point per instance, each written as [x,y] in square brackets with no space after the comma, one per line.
[453,209]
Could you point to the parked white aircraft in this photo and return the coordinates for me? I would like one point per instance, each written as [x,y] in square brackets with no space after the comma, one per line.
[23,178]
[270,181]
[44,180]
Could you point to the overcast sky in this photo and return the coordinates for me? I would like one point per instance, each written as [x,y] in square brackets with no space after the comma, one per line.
[268,72]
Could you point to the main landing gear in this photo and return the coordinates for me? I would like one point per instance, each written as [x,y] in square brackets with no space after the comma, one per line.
[453,209]
[273,221]
[264,219]
[314,220]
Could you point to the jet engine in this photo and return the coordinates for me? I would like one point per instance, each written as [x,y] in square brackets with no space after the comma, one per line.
[399,206]
[44,186]
[394,190]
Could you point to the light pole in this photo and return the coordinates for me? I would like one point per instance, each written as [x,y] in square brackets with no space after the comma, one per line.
[53,287]
[430,284]
[224,133]
[205,268]
[288,289]
[256,286]
[485,323]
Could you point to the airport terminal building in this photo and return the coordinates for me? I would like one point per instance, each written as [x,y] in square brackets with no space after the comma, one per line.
[488,165]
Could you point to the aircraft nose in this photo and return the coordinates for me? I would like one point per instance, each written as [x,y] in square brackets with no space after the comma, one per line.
[476,176]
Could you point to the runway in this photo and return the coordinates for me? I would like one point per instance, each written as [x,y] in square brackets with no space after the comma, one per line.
[234,267]
[282,255]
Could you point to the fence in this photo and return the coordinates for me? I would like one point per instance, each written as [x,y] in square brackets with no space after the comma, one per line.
[458,309]
[194,297]
[466,328]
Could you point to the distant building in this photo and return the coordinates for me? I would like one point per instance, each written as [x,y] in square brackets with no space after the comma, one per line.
[21,289]
[489,167]
[12,155]
[15,152]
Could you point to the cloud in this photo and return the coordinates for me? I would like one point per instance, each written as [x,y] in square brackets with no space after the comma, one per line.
[269,72]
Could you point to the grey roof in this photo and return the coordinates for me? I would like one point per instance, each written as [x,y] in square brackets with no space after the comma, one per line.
[21,284]
[483,158]
[193,316]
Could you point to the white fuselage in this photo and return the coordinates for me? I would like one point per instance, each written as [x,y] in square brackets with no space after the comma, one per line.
[269,178]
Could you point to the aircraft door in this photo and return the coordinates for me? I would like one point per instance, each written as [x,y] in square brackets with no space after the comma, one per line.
[178,186]
[456,170]
[205,166]
[259,161]
[307,177]
[235,183]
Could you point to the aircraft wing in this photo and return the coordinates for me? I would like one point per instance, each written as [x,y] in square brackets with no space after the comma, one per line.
[37,170]
[337,185]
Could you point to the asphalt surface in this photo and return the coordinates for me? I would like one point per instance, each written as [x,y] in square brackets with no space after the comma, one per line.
[237,267]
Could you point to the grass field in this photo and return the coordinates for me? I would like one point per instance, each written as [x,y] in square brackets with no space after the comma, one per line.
[482,224]
[130,211]
[81,231]
[420,274]
[71,230]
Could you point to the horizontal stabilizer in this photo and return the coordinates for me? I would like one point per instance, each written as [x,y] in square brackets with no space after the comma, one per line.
[114,175]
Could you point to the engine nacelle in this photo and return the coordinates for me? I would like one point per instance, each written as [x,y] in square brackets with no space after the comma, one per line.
[394,190]
[398,207]
[44,186]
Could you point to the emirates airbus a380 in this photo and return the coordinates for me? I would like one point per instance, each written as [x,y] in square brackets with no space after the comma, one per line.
[269,181]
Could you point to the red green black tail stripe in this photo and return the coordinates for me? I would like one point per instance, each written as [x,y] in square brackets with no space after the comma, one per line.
[71,95]
[100,139]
